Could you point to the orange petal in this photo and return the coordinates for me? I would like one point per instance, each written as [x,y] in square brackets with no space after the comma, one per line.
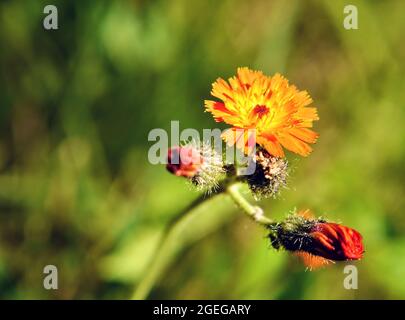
[304,134]
[244,139]
[307,214]
[220,112]
[234,136]
[308,114]
[222,90]
[294,144]
[270,143]
[311,261]
[247,76]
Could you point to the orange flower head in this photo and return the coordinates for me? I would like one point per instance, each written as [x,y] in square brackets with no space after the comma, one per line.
[276,110]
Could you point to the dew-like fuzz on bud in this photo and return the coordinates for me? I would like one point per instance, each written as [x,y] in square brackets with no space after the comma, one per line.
[270,175]
[198,162]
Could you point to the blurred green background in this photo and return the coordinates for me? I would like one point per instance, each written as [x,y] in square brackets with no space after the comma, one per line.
[77,104]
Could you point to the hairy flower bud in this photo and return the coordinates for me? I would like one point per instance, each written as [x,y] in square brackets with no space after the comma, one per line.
[336,242]
[184,161]
[270,175]
[317,237]
[198,162]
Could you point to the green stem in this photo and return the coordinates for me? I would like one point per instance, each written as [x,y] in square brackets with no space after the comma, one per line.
[167,246]
[158,263]
[254,212]
[168,242]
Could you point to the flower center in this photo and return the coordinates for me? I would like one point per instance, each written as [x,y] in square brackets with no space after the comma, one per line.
[260,110]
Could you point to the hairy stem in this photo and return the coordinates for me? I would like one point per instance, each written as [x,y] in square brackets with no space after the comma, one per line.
[254,212]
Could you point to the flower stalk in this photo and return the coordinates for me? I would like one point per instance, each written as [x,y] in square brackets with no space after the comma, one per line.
[164,252]
[253,212]
[167,246]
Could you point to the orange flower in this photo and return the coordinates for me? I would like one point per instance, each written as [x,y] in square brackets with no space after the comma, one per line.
[276,110]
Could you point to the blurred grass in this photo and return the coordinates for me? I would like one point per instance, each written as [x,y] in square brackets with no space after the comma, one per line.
[76,187]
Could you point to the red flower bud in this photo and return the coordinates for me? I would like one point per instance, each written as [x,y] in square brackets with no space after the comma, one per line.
[184,161]
[336,242]
[317,238]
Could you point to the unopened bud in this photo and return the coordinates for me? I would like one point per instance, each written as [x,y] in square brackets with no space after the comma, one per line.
[270,175]
[198,162]
[317,237]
